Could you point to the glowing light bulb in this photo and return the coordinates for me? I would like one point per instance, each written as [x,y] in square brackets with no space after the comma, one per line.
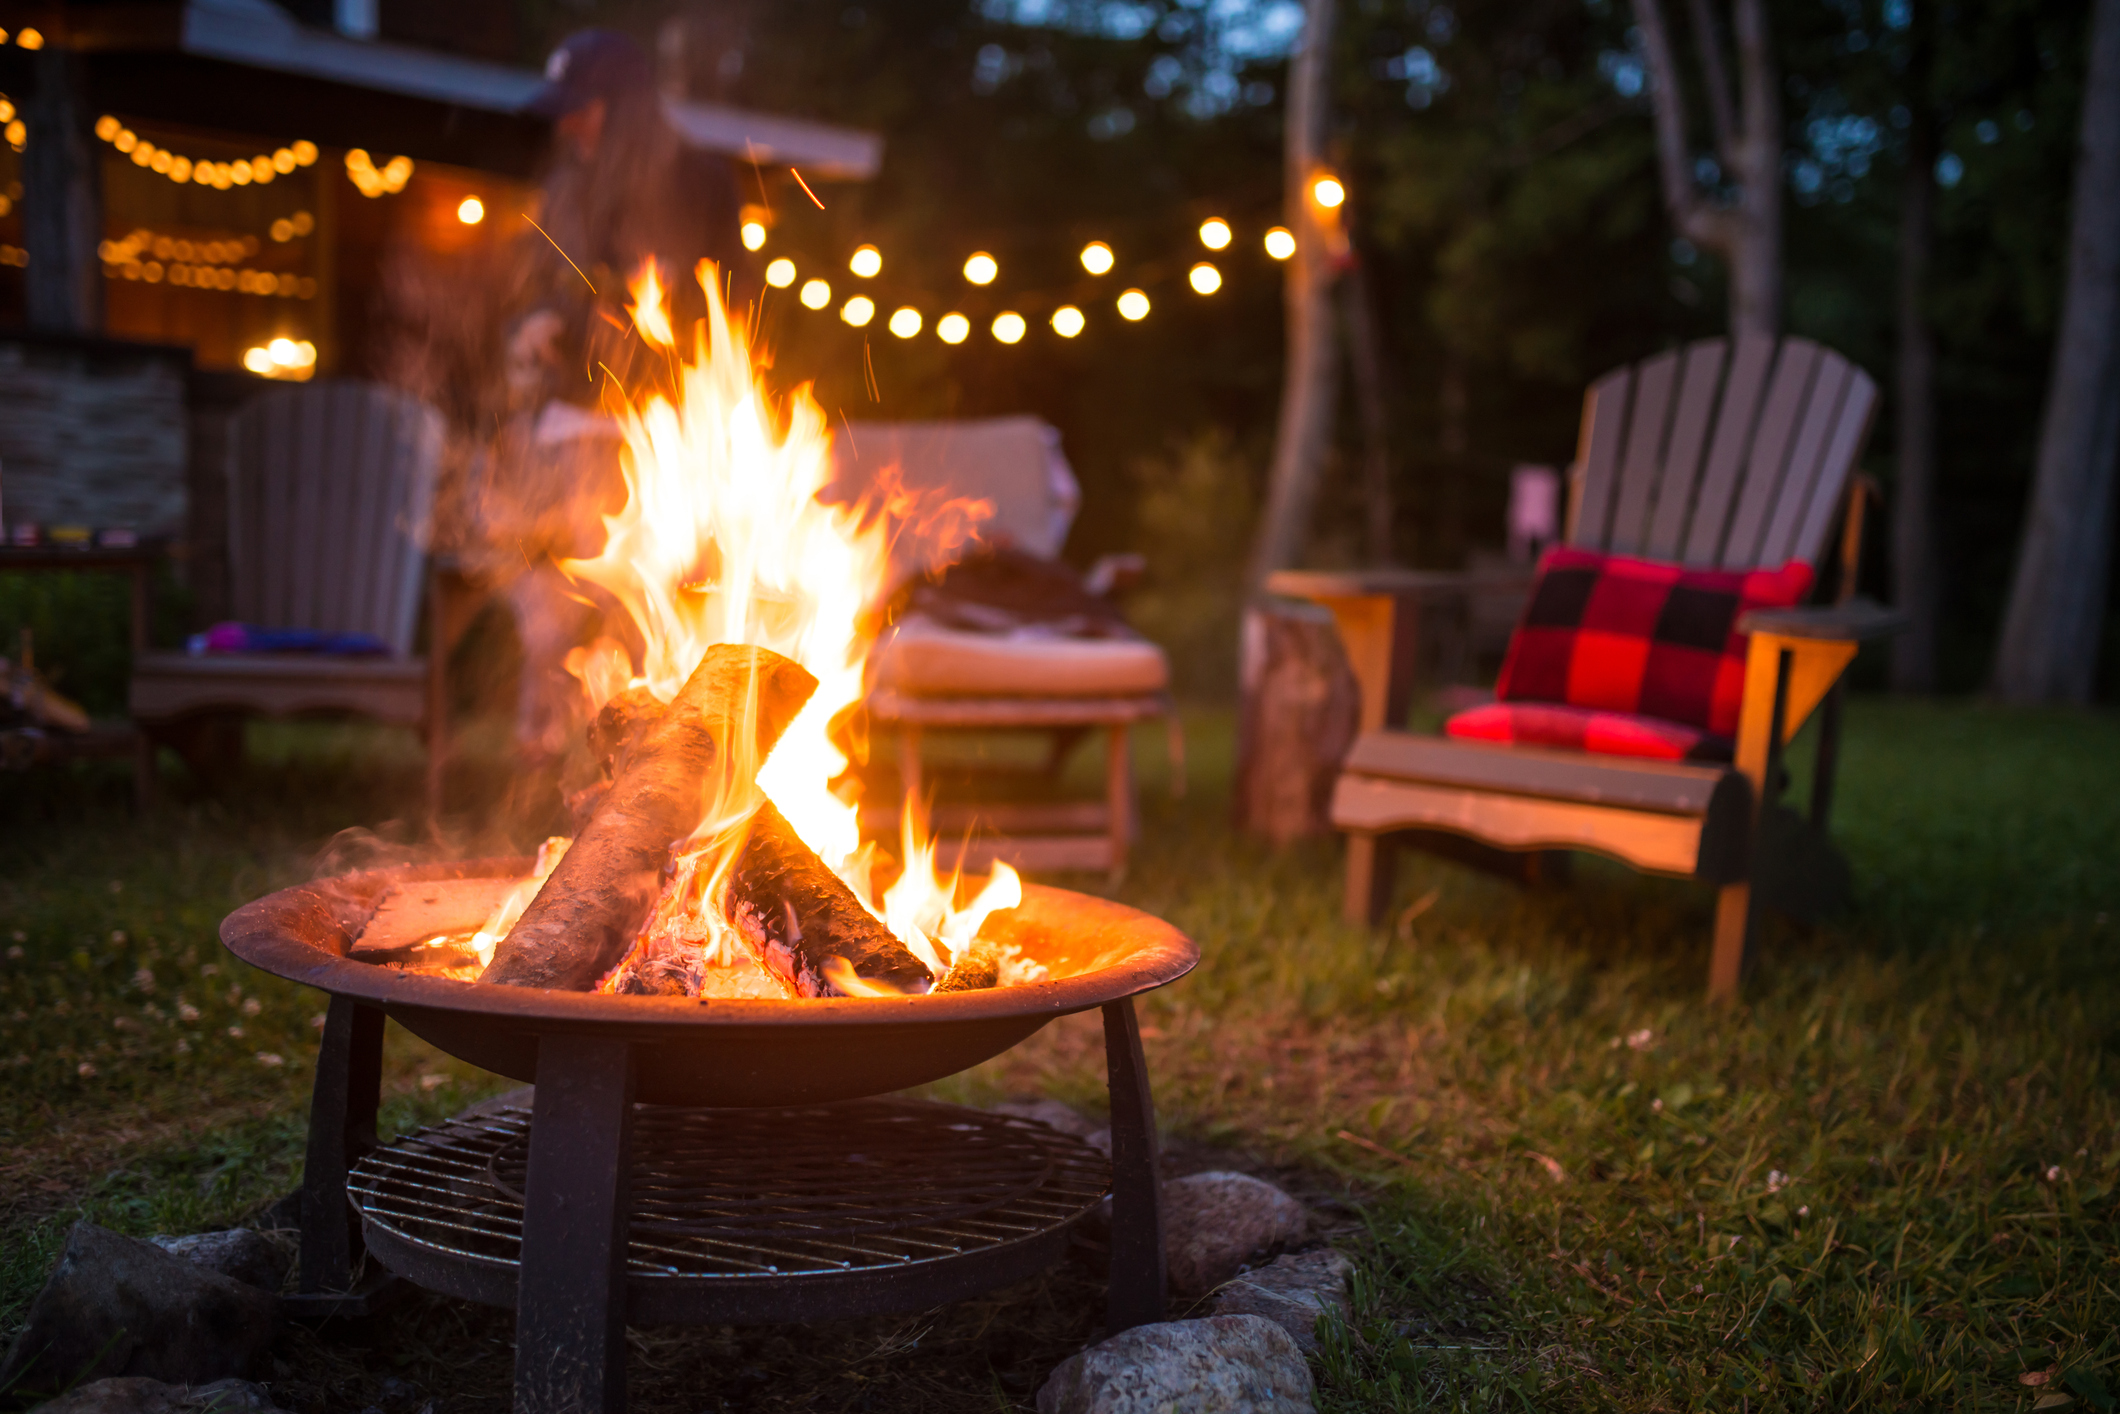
[283,352]
[305,153]
[1009,326]
[1133,305]
[754,235]
[470,211]
[106,126]
[866,262]
[952,328]
[781,273]
[1214,233]
[1096,257]
[1205,278]
[257,360]
[858,311]
[1280,243]
[905,323]
[1327,192]
[30,39]
[816,294]
[1068,321]
[981,269]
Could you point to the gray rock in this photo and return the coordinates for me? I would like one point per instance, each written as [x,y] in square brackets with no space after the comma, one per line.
[1292,1292]
[132,1395]
[1237,1364]
[1214,1222]
[238,1253]
[117,1306]
[1065,1118]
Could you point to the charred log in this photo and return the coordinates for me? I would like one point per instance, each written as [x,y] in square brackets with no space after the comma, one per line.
[976,969]
[585,918]
[797,916]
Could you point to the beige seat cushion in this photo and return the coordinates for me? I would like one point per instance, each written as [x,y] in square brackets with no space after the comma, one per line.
[922,658]
[170,685]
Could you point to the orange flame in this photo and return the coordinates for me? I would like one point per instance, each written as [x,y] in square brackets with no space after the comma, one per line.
[723,540]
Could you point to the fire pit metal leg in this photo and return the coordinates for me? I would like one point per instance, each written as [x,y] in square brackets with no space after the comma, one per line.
[341,1131]
[1138,1276]
[570,1310]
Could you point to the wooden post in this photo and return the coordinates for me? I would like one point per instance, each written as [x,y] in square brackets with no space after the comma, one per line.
[62,201]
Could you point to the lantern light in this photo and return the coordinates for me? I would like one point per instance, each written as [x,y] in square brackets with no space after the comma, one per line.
[1133,305]
[1096,257]
[1215,233]
[1327,192]
[471,211]
[866,262]
[905,321]
[1009,326]
[1205,278]
[816,294]
[858,311]
[1280,243]
[1068,321]
[781,273]
[754,235]
[952,328]
[981,269]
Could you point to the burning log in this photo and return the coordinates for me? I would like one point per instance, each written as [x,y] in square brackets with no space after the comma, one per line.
[798,917]
[975,969]
[585,918]
[614,733]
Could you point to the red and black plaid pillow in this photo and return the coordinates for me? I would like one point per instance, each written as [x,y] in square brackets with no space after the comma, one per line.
[1618,634]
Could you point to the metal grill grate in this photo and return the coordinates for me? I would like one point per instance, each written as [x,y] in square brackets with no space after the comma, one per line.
[830,1189]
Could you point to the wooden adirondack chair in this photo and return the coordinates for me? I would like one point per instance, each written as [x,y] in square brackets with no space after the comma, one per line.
[330,487]
[1712,459]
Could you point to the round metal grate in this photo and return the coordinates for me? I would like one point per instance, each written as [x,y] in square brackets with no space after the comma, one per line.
[747,1199]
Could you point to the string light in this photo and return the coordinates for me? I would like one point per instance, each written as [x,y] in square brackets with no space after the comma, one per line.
[1097,257]
[1009,326]
[816,294]
[372,180]
[781,273]
[981,269]
[952,328]
[1205,278]
[1327,192]
[206,172]
[858,311]
[29,39]
[1280,243]
[1068,321]
[754,235]
[1133,305]
[1214,233]
[300,224]
[471,211]
[905,322]
[866,262]
[294,360]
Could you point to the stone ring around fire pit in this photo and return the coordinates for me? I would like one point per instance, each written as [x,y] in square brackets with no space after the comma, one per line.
[541,1210]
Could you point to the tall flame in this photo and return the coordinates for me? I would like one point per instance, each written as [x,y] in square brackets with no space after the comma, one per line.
[723,539]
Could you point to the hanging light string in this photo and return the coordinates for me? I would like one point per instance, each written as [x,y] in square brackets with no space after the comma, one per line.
[205,171]
[1327,194]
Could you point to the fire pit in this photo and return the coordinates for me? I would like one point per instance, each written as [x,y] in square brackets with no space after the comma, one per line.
[711,1160]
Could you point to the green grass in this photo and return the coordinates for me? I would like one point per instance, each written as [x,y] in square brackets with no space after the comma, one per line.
[1887,1179]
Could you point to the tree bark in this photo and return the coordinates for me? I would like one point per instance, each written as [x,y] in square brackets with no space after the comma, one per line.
[1915,564]
[1747,235]
[1365,355]
[2050,632]
[1307,381]
[62,204]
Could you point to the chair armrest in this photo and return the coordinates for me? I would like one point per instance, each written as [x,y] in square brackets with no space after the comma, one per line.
[1857,621]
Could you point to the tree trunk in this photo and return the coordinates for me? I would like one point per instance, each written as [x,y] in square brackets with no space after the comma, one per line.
[1915,565]
[1746,235]
[1302,707]
[1307,377]
[2050,632]
[1365,356]
[62,206]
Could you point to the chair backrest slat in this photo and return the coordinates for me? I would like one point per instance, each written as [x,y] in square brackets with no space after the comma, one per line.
[1829,388]
[1720,457]
[1768,460]
[1699,383]
[1736,421]
[1647,423]
[331,485]
[1598,452]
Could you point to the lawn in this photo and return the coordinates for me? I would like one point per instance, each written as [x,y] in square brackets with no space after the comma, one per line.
[1886,1179]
